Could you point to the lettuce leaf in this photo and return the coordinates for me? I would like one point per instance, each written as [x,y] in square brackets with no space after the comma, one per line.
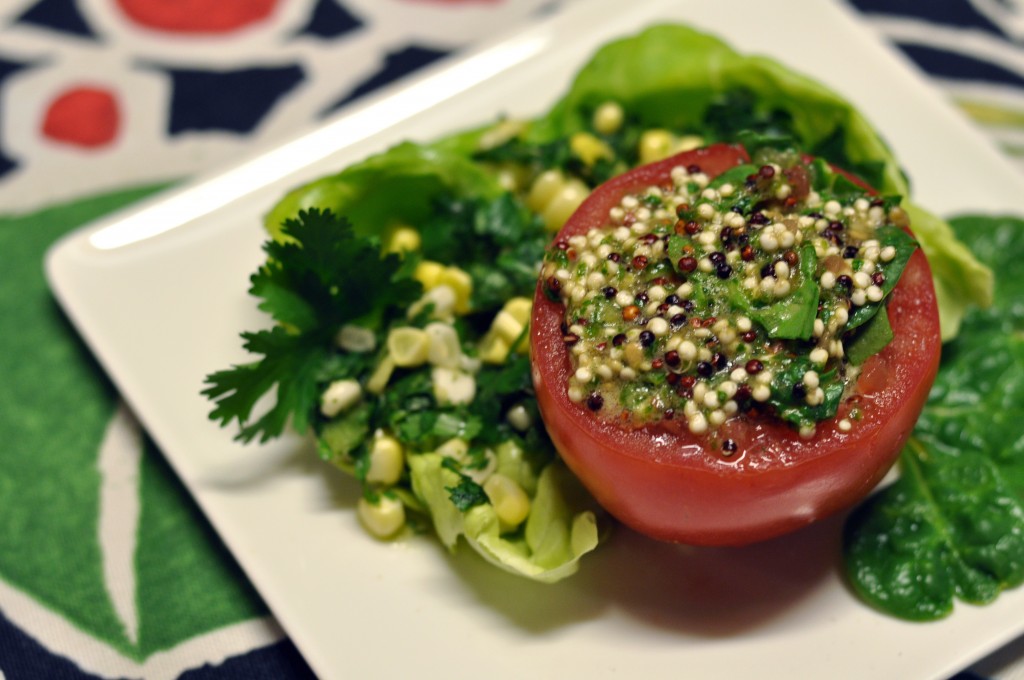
[561,528]
[671,76]
[397,186]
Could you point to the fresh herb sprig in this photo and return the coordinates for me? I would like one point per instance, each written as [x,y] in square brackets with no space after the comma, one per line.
[319,277]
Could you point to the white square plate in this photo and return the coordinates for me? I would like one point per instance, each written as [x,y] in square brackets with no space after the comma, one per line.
[160,296]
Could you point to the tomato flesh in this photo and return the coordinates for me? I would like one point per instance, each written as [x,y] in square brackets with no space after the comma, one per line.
[670,484]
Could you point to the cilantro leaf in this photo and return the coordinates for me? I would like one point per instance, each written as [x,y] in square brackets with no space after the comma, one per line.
[466,493]
[322,276]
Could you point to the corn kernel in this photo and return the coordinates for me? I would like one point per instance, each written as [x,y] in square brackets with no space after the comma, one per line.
[403,239]
[428,272]
[461,283]
[655,145]
[339,396]
[589,148]
[408,346]
[520,308]
[564,204]
[608,118]
[384,518]
[510,502]
[452,386]
[381,375]
[544,189]
[494,350]
[387,460]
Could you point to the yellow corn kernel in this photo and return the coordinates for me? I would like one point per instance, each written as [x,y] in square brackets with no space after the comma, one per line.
[564,204]
[384,518]
[444,349]
[339,396]
[688,143]
[408,346]
[381,375]
[428,272]
[452,386]
[544,189]
[461,284]
[510,502]
[589,148]
[520,308]
[506,327]
[403,239]
[501,132]
[655,145]
[453,448]
[387,460]
[494,350]
[608,118]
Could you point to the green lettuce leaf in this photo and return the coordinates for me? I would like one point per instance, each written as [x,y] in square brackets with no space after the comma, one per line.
[561,528]
[397,186]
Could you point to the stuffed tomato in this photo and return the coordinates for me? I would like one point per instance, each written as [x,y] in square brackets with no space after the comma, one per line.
[725,350]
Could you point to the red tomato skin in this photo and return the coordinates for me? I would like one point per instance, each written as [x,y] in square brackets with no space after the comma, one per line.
[667,483]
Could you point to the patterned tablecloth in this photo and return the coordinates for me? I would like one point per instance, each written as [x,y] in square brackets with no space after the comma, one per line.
[107,569]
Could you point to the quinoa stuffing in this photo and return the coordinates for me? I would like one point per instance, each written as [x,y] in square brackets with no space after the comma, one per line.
[755,293]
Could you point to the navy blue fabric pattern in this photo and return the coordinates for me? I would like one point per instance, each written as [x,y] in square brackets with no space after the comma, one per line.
[945,64]
[329,19]
[7,68]
[22,658]
[234,101]
[396,65]
[274,662]
[955,14]
[57,15]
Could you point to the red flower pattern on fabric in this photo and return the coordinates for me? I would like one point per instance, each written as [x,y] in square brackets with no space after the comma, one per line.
[197,16]
[84,116]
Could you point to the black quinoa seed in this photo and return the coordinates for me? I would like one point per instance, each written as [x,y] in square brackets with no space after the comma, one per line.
[723,271]
[678,320]
[672,358]
[595,401]
[646,338]
[729,446]
[799,391]
[610,292]
[844,281]
[754,366]
[619,340]
[705,369]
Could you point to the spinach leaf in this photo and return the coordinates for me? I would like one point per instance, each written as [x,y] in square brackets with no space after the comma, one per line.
[871,339]
[904,246]
[791,318]
[952,526]
[794,408]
